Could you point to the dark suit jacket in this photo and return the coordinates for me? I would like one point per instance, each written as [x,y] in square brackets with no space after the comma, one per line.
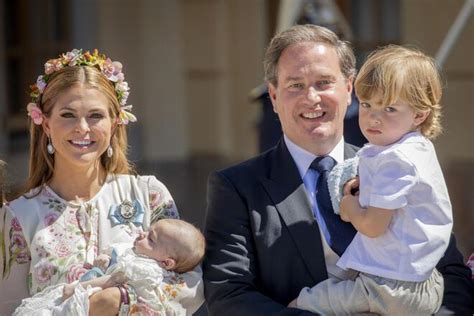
[263,244]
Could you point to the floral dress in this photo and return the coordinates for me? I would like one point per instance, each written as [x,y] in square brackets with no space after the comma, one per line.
[45,241]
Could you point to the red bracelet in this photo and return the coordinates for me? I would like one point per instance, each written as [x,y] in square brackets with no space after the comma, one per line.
[123,295]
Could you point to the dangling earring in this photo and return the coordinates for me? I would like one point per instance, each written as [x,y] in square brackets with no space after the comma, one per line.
[50,147]
[110,151]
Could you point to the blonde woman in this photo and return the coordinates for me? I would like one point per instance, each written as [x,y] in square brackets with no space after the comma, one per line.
[80,196]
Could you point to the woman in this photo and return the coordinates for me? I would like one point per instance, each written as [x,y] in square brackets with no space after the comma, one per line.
[80,197]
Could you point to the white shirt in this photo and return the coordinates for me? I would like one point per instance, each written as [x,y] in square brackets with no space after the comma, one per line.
[303,160]
[404,177]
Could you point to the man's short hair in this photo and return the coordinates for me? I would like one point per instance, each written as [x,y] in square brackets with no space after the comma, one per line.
[307,33]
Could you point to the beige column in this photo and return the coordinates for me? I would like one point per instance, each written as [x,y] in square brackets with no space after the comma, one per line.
[224,42]
[145,36]
[425,24]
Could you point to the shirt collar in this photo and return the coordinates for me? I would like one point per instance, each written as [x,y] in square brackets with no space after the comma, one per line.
[304,158]
[371,150]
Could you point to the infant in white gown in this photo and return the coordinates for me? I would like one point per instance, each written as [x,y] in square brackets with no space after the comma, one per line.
[170,246]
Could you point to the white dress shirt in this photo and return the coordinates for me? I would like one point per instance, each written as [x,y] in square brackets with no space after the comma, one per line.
[303,160]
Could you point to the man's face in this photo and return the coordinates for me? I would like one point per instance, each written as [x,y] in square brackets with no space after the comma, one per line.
[312,96]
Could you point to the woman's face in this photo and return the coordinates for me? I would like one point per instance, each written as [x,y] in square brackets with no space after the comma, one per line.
[80,127]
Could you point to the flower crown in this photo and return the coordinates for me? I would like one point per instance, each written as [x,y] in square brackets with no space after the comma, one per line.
[112,70]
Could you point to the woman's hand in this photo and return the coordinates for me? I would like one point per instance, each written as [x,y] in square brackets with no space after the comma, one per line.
[105,302]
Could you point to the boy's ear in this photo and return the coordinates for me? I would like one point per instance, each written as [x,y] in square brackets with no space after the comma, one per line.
[168,264]
[421,116]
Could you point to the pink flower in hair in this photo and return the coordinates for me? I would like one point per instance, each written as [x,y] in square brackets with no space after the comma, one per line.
[52,65]
[113,70]
[35,113]
[72,57]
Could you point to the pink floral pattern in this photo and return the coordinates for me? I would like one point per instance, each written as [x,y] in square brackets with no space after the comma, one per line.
[43,271]
[16,225]
[18,248]
[66,240]
[50,218]
[76,271]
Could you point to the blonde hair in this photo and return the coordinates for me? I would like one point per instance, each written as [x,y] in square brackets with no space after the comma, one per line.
[306,33]
[403,73]
[184,243]
[41,163]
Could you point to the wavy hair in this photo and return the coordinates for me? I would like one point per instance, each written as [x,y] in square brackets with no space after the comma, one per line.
[41,164]
[405,73]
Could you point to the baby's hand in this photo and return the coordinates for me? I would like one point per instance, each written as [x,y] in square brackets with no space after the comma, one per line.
[68,291]
[117,277]
[102,262]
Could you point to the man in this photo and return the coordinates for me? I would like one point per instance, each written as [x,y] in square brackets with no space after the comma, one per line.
[267,234]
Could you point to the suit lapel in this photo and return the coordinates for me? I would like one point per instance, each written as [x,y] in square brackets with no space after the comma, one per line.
[349,150]
[287,191]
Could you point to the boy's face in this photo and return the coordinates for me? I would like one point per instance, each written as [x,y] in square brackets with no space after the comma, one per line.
[383,125]
[152,243]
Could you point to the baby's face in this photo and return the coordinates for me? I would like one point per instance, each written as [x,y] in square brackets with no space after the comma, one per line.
[152,243]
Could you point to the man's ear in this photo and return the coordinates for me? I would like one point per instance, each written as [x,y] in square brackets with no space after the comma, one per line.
[349,87]
[420,117]
[168,264]
[272,94]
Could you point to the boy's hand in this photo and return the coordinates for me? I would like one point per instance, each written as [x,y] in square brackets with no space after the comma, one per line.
[349,204]
[352,187]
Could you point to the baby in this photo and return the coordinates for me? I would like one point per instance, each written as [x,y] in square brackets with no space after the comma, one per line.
[169,244]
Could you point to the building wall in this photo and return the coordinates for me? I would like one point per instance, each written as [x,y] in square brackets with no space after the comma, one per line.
[425,24]
[191,65]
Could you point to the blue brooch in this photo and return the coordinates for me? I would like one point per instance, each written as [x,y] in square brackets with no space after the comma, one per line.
[127,212]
